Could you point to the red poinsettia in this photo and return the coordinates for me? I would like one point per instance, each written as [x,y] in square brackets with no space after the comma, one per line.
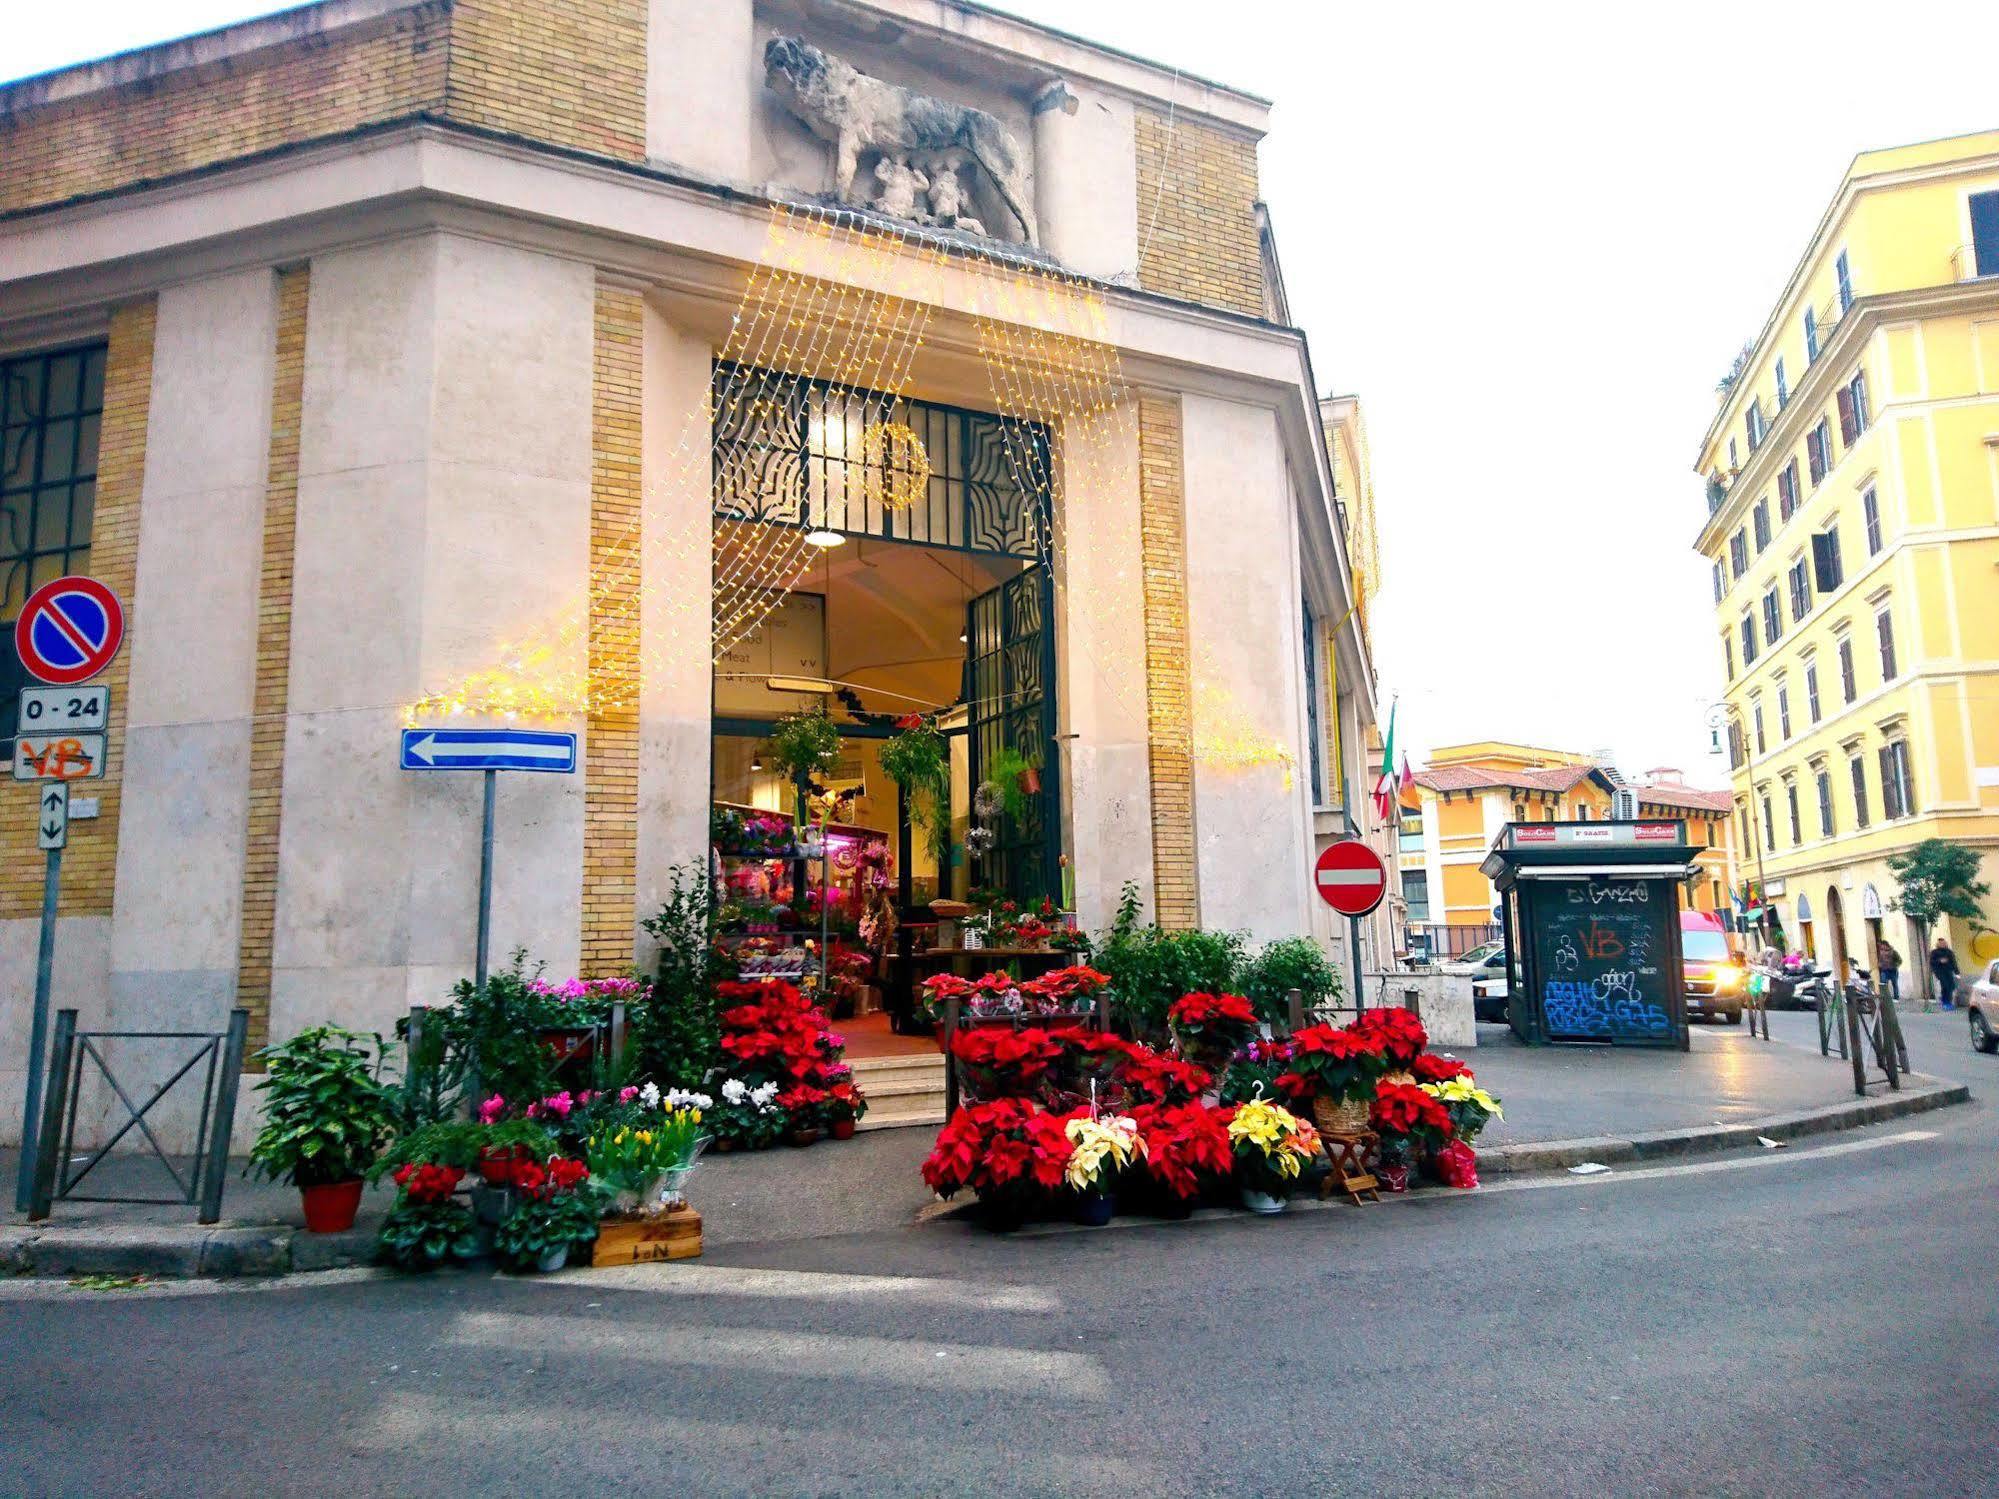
[1430,1068]
[1184,1143]
[1405,1110]
[1003,1061]
[1400,1033]
[1005,1143]
[1162,1079]
[1337,1062]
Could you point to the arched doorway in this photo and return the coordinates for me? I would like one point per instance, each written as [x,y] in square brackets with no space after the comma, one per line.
[1807,938]
[1835,916]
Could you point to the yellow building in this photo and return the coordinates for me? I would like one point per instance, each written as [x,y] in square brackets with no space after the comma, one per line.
[1470,791]
[1853,528]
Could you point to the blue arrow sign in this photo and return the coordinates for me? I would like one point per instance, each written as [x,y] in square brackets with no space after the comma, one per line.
[488,749]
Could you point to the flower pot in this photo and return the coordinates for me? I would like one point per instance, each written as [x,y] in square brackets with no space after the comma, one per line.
[804,1136]
[554,1260]
[1393,1178]
[497,1165]
[330,1209]
[1261,1202]
[1030,781]
[842,1129]
[1345,1116]
[723,1145]
[1095,1208]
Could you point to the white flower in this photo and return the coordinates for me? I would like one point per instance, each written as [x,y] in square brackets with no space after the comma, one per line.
[682,1098]
[734,1090]
[649,1095]
[765,1096]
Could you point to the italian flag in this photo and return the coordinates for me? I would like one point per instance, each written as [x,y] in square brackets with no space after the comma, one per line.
[1388,787]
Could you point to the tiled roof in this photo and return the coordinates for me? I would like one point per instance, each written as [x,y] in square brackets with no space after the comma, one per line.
[1684,796]
[1475,777]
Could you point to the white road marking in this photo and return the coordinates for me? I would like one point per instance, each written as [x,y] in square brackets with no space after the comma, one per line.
[806,1285]
[1699,1168]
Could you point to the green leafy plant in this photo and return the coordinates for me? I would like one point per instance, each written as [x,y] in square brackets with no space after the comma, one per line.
[1007,771]
[1150,967]
[327,1112]
[804,744]
[423,1235]
[1286,964]
[490,1033]
[458,1142]
[919,761]
[541,1225]
[674,1035]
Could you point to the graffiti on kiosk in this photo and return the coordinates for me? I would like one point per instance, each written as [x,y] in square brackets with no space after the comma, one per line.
[1636,893]
[1565,954]
[1606,1005]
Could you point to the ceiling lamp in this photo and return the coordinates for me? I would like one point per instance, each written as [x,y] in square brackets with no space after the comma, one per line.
[820,536]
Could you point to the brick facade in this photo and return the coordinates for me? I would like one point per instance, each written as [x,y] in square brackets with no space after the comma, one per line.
[1197,195]
[89,867]
[274,636]
[569,72]
[1168,686]
[611,748]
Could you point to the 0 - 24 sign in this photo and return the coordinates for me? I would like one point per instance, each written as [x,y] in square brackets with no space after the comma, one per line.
[71,710]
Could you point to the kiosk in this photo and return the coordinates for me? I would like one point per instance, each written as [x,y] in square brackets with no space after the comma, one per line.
[1591,916]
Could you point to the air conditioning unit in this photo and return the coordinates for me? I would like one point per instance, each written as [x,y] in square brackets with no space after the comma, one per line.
[1624,805]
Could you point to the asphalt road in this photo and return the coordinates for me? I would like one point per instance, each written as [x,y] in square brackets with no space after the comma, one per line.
[1818,1320]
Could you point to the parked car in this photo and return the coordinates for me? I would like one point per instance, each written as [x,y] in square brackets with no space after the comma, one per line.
[1485,966]
[1717,981]
[1981,1002]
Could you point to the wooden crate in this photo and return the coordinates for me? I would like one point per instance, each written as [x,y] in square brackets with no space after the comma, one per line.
[637,1241]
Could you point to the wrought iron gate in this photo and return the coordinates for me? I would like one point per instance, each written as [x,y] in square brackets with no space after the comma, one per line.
[1010,698]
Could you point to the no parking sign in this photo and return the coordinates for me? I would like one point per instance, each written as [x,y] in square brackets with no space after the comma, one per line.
[69,630]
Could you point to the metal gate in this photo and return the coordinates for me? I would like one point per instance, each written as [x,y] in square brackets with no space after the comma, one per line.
[216,1058]
[1009,692]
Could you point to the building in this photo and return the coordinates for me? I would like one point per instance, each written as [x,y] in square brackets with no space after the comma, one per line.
[1853,527]
[1468,792]
[475,362]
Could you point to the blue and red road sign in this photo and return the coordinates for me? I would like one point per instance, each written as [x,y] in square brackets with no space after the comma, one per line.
[69,630]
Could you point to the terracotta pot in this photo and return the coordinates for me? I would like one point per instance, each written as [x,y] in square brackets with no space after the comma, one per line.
[1030,781]
[842,1129]
[806,1136]
[723,1145]
[330,1209]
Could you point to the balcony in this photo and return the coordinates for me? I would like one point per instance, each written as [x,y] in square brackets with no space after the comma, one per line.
[1965,263]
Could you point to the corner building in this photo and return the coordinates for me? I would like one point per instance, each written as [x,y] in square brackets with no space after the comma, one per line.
[469,362]
[1853,493]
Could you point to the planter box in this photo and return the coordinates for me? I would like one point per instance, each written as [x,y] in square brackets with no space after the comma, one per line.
[637,1241]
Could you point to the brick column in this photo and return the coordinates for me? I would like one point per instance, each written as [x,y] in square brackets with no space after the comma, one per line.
[1168,691]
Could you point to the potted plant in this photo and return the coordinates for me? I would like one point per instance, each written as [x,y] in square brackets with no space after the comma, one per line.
[1101,1150]
[557,1211]
[645,1164]
[327,1115]
[1336,1068]
[1008,1151]
[1014,778]
[505,1145]
[745,1117]
[919,762]
[1409,1121]
[804,1106]
[1271,1146]
[844,1107]
[1211,1028]
[428,1224]
[803,745]
[1185,1147]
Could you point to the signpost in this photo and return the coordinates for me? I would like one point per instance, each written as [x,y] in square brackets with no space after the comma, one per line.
[491,751]
[1351,878]
[69,630]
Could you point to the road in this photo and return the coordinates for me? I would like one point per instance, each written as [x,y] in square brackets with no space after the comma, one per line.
[1817,1320]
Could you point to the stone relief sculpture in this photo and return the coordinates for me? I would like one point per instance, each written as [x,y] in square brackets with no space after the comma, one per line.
[923,142]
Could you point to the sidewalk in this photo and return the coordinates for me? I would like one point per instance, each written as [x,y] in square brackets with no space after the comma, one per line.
[1562,1106]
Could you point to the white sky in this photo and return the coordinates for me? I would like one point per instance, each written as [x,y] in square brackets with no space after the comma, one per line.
[1531,237]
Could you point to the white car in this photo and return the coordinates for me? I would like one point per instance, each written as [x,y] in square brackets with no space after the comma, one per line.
[1477,962]
[1981,1001]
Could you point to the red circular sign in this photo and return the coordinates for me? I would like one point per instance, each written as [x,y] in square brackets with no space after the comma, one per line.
[1350,877]
[69,630]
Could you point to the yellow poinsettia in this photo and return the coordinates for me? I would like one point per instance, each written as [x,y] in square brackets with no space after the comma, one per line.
[1101,1147]
[1284,1140]
[1463,1090]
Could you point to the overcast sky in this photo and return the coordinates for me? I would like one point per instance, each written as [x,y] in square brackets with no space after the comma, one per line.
[1531,238]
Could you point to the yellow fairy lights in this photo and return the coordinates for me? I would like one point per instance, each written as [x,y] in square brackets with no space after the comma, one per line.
[897,468]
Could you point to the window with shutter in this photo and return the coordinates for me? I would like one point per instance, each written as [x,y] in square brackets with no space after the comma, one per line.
[1985,232]
[1826,568]
[1783,714]
[1844,273]
[1801,590]
[1848,427]
[1760,519]
[1787,490]
[1847,686]
[1818,452]
[1791,806]
[1858,767]
[1825,804]
[1884,631]
[1772,623]
[1783,387]
[1748,636]
[1870,511]
[1812,690]
[1811,335]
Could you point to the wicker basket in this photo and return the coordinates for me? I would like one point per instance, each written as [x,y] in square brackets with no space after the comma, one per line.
[1347,1116]
[1405,1076]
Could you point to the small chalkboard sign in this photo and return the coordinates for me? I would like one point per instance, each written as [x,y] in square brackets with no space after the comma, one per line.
[1603,949]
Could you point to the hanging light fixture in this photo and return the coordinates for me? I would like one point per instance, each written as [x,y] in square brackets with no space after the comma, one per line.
[820,536]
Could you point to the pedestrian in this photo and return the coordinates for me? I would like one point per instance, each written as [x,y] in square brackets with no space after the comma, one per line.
[1889,964]
[1943,968]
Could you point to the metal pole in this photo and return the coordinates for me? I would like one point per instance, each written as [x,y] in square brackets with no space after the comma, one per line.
[50,1162]
[1359,988]
[38,1032]
[224,1119]
[485,881]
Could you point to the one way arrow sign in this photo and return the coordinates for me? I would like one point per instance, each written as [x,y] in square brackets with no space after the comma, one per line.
[488,749]
[52,819]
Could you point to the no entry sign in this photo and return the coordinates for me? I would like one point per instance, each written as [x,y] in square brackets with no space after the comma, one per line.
[69,630]
[1350,877]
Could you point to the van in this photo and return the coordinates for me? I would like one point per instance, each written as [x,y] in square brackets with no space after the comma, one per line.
[1717,981]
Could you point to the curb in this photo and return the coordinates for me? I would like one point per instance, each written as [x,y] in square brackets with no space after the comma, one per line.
[1557,1155]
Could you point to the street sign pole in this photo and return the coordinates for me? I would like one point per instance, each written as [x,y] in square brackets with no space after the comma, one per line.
[38,1031]
[485,879]
[1359,988]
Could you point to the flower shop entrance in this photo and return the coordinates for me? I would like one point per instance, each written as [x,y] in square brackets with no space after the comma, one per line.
[881,576]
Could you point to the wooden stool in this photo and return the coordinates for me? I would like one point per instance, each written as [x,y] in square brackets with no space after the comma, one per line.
[1349,1155]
